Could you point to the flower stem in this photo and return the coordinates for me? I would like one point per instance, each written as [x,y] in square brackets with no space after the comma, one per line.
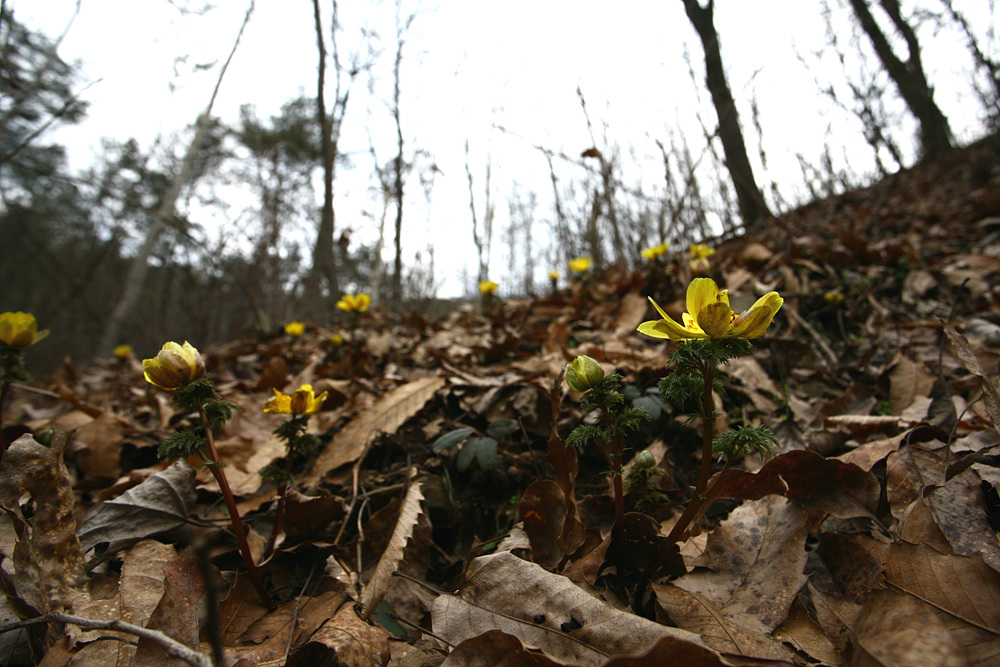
[279,511]
[215,466]
[4,388]
[700,495]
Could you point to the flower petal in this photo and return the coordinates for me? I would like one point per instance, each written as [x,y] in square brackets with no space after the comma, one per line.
[701,292]
[715,318]
[753,323]
[667,328]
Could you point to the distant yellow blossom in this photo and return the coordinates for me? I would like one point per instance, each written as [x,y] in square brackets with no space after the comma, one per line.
[300,402]
[123,351]
[20,329]
[356,303]
[553,276]
[488,287]
[579,265]
[710,316]
[701,251]
[652,252]
[834,296]
[295,329]
[336,340]
[174,366]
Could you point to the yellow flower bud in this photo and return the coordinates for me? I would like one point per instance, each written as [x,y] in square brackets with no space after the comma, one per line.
[20,329]
[123,351]
[583,373]
[580,264]
[174,366]
[488,287]
[834,296]
[553,276]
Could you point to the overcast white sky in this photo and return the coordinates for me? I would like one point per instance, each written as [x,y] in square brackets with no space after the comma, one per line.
[468,65]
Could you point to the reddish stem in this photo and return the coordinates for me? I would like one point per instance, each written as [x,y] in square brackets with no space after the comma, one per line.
[215,466]
[279,511]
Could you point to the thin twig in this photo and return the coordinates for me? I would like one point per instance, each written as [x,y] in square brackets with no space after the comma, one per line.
[171,646]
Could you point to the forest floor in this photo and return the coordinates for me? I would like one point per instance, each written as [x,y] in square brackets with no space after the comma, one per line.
[868,537]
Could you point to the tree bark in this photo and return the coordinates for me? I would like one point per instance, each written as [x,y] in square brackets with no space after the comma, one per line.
[909,76]
[397,274]
[751,202]
[324,264]
[136,277]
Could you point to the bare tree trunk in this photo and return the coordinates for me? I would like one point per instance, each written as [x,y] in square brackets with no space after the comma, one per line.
[324,265]
[751,203]
[483,238]
[397,275]
[136,277]
[909,76]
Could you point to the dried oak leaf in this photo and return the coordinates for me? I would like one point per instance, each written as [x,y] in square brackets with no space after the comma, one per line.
[385,416]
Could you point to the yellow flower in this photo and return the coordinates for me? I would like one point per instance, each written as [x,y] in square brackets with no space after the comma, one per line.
[123,351]
[20,329]
[579,264]
[357,303]
[553,276]
[834,296]
[488,287]
[300,402]
[655,251]
[709,315]
[701,251]
[295,329]
[174,366]
[700,265]
[583,373]
[336,340]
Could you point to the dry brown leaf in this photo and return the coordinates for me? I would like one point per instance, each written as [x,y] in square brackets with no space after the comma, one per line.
[991,398]
[48,561]
[752,567]
[962,592]
[543,511]
[908,381]
[141,586]
[160,502]
[176,614]
[842,489]
[344,640]
[546,611]
[805,634]
[378,586]
[895,629]
[99,446]
[697,613]
[631,314]
[494,648]
[385,416]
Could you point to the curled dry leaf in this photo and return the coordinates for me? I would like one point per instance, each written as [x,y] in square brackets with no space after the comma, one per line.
[991,397]
[545,611]
[379,584]
[48,561]
[159,503]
